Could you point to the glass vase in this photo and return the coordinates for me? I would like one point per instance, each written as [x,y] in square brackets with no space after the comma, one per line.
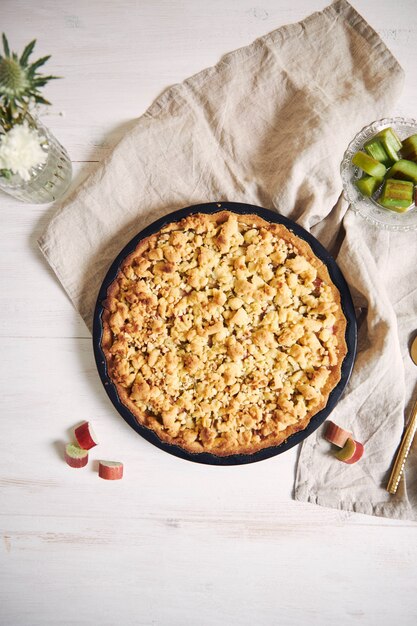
[48,181]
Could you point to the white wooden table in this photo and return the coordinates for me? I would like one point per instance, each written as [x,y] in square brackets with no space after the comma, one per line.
[173,543]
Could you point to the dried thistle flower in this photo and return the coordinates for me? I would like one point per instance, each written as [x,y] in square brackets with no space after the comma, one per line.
[20,83]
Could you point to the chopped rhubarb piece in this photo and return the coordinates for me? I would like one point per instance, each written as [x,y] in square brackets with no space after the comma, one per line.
[390,141]
[85,436]
[351,451]
[368,164]
[409,149]
[317,287]
[336,435]
[110,470]
[75,456]
[405,170]
[388,135]
[375,149]
[396,195]
[367,185]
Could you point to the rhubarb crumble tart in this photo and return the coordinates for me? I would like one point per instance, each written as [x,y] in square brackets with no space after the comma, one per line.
[224,333]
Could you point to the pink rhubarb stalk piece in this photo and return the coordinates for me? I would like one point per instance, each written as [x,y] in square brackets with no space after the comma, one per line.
[351,452]
[75,456]
[335,434]
[85,436]
[110,470]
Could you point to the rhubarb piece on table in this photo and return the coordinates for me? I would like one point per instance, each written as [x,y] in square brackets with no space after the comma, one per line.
[85,436]
[110,470]
[405,170]
[335,434]
[396,195]
[409,149]
[367,185]
[75,456]
[351,452]
[368,164]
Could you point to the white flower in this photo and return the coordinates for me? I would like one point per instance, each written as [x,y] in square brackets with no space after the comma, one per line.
[20,150]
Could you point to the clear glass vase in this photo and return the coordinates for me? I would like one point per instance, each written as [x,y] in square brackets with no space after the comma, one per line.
[48,181]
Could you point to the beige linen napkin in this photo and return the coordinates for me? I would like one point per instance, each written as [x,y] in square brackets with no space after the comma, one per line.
[268,125]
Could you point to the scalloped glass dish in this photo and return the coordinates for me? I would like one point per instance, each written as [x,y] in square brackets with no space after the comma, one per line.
[368,208]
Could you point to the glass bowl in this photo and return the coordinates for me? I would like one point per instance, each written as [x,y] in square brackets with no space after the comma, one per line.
[368,208]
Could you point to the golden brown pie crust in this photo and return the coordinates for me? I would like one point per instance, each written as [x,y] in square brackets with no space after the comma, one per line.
[224,333]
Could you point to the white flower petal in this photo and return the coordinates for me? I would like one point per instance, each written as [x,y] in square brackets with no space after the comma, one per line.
[20,150]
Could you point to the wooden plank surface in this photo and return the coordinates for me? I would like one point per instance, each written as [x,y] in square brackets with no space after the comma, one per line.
[173,543]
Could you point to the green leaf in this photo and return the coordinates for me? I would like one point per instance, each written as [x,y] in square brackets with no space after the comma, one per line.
[27,52]
[6,45]
[38,82]
[39,99]
[51,77]
[38,63]
[42,80]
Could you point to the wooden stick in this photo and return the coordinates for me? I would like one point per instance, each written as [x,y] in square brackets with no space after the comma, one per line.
[403,451]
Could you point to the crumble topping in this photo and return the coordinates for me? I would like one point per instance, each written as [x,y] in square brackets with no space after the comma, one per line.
[224,336]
